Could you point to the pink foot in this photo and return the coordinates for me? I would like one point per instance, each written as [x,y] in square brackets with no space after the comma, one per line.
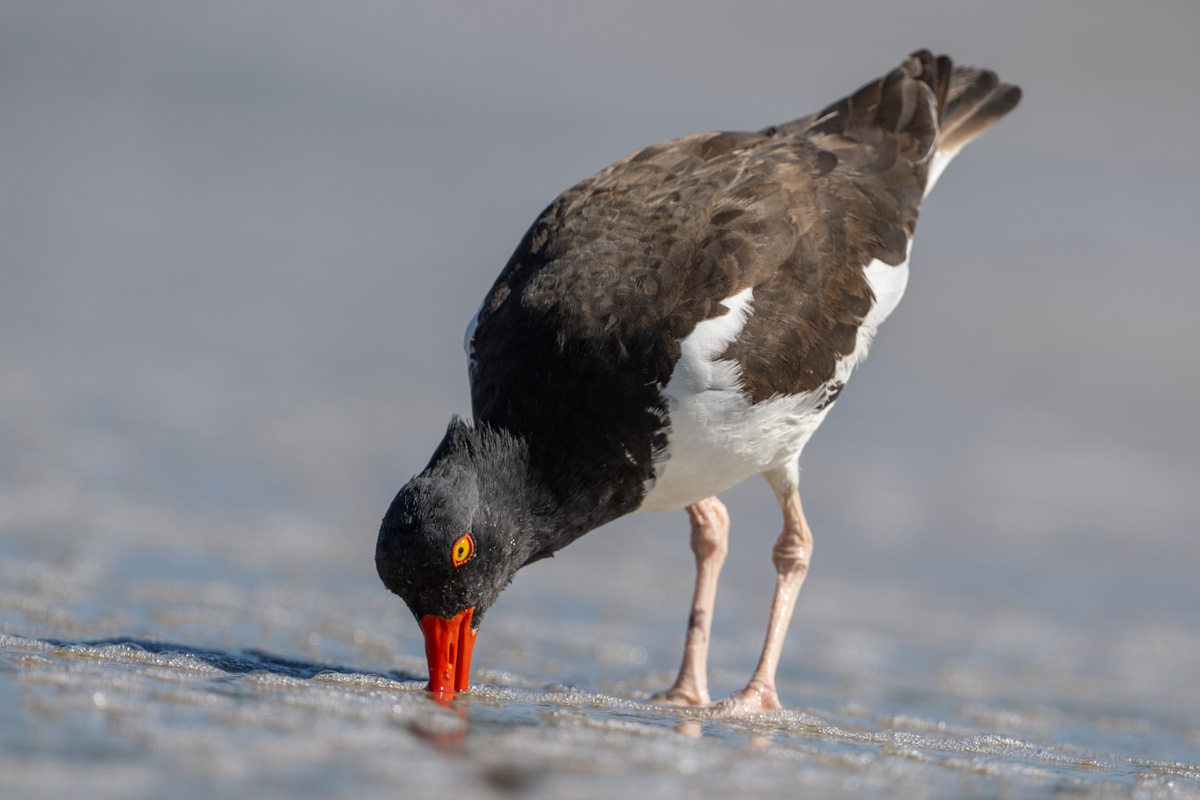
[681,696]
[754,699]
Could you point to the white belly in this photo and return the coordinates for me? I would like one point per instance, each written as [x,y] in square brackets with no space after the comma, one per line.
[718,438]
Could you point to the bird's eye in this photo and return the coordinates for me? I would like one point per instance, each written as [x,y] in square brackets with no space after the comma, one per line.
[463,549]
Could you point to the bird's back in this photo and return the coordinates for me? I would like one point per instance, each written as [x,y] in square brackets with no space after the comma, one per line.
[737,267]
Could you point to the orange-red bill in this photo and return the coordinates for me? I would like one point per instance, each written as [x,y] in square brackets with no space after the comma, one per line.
[448,646]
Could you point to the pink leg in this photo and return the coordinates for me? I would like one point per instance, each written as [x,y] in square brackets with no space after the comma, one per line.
[791,555]
[710,543]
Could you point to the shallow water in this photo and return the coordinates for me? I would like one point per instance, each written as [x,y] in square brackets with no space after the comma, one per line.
[241,243]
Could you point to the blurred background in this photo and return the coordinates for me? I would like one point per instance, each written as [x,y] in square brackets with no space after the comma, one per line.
[242,240]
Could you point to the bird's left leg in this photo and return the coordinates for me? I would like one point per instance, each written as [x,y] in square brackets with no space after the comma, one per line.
[791,555]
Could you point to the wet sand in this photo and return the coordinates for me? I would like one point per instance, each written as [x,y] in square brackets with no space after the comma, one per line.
[123,680]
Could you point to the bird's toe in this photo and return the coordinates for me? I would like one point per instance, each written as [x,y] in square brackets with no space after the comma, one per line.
[681,696]
[754,699]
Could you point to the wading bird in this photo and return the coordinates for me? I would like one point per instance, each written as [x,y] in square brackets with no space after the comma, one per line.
[667,328]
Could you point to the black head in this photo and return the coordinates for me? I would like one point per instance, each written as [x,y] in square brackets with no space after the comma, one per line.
[453,539]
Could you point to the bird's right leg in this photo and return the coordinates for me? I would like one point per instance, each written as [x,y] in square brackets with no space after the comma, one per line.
[791,556]
[710,543]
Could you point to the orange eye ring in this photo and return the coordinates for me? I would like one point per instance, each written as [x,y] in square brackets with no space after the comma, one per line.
[463,550]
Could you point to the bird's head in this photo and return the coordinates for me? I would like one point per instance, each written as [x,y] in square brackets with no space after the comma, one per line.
[448,546]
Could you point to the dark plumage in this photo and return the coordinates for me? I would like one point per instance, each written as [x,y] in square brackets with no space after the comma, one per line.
[597,357]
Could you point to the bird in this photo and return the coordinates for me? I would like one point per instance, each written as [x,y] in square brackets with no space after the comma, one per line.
[667,328]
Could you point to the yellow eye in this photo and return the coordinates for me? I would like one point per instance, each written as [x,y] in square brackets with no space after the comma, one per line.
[463,549]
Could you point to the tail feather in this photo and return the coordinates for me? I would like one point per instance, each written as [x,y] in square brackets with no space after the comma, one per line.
[931,106]
[976,101]
[910,99]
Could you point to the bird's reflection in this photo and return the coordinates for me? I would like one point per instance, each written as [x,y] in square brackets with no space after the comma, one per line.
[445,730]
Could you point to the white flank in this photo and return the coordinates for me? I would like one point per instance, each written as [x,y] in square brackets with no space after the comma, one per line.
[698,369]
[718,438]
[937,165]
[888,284]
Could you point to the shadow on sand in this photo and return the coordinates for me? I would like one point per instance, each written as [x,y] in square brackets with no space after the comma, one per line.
[239,663]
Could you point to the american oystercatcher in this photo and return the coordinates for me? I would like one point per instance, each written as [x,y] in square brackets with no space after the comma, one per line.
[667,328]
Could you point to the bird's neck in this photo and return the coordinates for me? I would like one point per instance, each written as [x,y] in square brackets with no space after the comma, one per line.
[552,498]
